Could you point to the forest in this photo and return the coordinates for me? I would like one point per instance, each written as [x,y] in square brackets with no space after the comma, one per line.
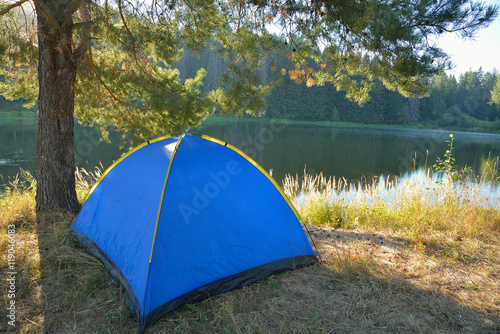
[462,103]
[470,102]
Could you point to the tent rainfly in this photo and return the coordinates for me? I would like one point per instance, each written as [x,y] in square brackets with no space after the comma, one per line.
[182,218]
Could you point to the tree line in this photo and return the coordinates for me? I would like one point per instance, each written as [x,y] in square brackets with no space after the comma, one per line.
[463,102]
[469,101]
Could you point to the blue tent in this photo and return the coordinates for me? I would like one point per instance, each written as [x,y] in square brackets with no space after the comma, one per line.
[182,218]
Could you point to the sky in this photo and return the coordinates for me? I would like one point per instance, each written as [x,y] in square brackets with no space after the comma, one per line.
[483,52]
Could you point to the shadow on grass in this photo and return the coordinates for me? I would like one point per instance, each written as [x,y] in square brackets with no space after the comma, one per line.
[76,295]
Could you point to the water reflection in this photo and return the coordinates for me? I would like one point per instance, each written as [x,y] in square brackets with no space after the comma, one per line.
[286,149]
[18,148]
[351,152]
[421,185]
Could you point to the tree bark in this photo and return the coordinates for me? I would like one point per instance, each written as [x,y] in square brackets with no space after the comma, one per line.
[57,67]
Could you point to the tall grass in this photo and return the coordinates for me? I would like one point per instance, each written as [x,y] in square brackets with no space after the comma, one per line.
[17,207]
[423,204]
[63,289]
[86,179]
[17,202]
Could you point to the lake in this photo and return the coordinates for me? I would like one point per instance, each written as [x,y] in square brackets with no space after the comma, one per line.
[352,153]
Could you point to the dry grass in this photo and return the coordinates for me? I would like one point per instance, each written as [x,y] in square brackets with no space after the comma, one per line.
[423,207]
[86,179]
[373,279]
[18,201]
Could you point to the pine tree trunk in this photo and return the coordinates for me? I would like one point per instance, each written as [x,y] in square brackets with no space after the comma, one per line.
[55,171]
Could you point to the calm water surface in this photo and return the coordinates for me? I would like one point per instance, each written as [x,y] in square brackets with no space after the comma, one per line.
[352,153]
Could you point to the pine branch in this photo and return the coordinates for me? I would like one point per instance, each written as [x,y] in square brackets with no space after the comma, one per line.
[125,25]
[72,7]
[11,6]
[142,56]
[113,96]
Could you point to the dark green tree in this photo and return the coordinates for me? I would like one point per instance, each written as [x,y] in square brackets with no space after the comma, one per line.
[111,63]
[487,84]
[469,95]
[443,93]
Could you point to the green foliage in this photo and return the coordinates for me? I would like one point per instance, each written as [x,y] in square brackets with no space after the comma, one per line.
[131,78]
[18,56]
[400,55]
[495,93]
[447,166]
[122,85]
[449,105]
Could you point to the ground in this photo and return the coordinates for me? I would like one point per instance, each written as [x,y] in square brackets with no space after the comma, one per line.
[367,282]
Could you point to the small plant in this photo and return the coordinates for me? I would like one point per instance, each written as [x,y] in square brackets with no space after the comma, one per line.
[65,237]
[272,285]
[120,315]
[447,167]
[471,287]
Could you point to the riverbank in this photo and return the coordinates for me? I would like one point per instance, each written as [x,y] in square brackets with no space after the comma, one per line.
[383,270]
[475,126]
[10,110]
[466,125]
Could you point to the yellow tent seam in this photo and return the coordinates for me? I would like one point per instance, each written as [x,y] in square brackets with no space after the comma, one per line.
[158,218]
[266,174]
[120,160]
[162,194]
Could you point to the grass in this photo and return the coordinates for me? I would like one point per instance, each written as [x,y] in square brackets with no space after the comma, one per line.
[393,261]
[424,206]
[417,206]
